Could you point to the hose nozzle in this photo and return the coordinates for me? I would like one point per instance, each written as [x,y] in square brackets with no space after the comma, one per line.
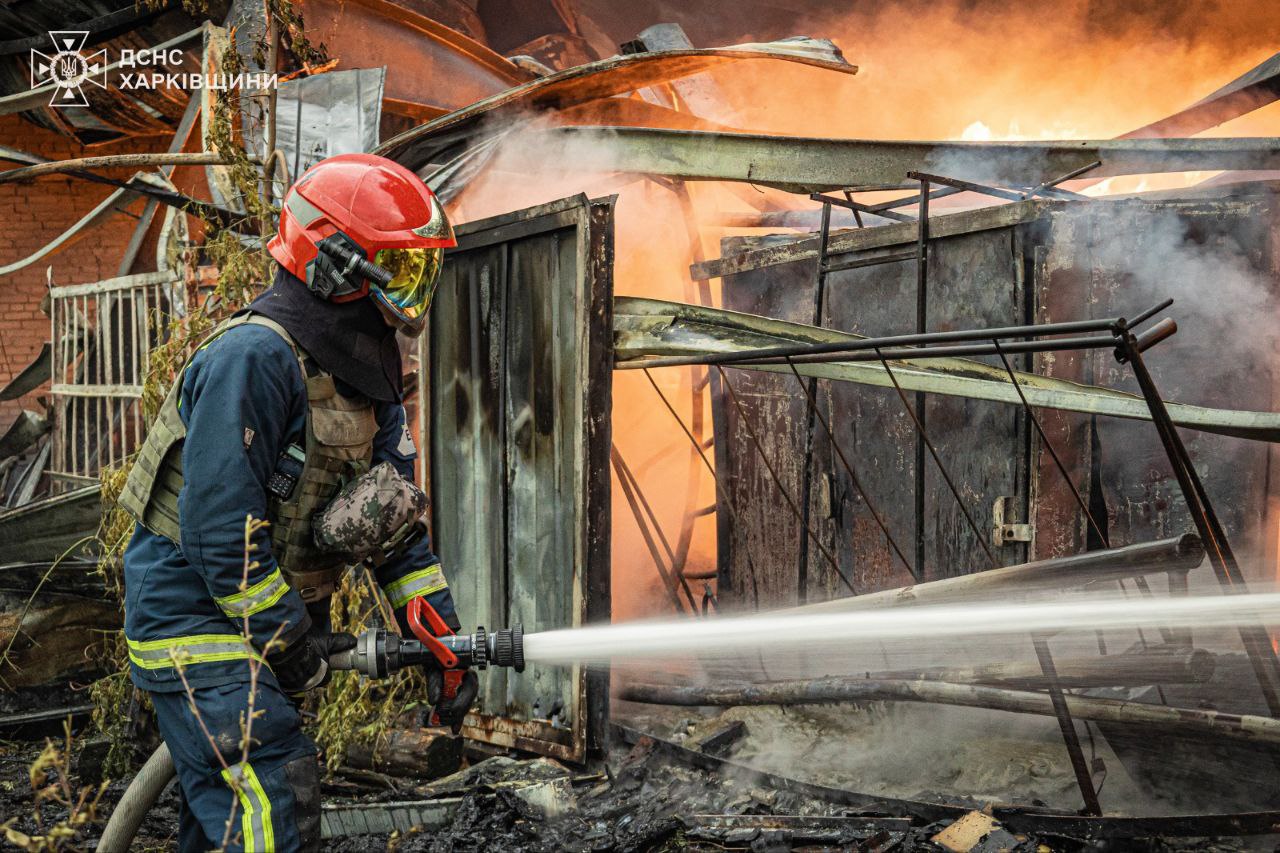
[378,653]
[481,649]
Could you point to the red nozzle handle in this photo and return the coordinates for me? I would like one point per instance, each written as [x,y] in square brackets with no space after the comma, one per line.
[448,690]
[418,609]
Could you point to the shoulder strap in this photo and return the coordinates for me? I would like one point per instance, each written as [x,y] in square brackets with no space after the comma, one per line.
[250,319]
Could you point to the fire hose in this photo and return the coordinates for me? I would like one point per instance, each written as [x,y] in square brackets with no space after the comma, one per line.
[377,654]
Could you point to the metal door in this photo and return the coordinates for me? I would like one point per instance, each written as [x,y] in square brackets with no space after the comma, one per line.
[520,359]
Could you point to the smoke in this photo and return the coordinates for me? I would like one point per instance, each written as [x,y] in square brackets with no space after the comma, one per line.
[1212,268]
[926,70]
[1028,31]
[920,752]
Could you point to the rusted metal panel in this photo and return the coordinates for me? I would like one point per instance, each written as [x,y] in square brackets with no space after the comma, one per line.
[520,349]
[975,280]
[874,431]
[467,480]
[1060,281]
[1070,262]
[861,239]
[759,560]
[45,529]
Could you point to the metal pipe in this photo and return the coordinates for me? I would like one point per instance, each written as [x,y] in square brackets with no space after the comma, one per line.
[1163,664]
[858,207]
[1257,643]
[1113,325]
[1166,328]
[1067,725]
[810,387]
[919,415]
[925,178]
[957,350]
[1148,314]
[623,473]
[846,352]
[1178,554]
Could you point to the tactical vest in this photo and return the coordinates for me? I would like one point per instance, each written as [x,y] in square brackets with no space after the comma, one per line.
[339,444]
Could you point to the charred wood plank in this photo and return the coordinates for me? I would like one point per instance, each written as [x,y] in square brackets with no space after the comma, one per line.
[348,819]
[791,830]
[414,753]
[720,738]
[10,722]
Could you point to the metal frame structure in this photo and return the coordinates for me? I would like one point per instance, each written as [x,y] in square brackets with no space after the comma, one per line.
[1128,341]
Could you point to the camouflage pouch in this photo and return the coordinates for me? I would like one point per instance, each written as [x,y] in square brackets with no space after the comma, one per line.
[370,516]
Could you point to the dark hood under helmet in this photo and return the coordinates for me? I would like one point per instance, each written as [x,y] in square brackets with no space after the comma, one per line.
[348,339]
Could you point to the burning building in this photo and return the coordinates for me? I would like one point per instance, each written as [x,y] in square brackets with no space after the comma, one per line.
[684,368]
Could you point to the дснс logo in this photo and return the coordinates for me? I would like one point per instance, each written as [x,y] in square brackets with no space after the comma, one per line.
[68,69]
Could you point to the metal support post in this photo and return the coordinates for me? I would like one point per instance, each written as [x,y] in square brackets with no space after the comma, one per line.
[922,310]
[806,482]
[1257,643]
[1069,734]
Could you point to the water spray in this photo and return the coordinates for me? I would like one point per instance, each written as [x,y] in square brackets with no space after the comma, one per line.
[837,634]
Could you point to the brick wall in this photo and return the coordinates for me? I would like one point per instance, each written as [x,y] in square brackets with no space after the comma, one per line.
[32,214]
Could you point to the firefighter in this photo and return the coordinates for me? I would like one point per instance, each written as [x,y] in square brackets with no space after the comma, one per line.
[278,408]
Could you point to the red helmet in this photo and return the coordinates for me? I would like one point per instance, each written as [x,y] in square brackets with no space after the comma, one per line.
[358,224]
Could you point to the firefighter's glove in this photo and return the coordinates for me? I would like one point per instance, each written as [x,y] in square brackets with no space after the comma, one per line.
[451,711]
[304,665]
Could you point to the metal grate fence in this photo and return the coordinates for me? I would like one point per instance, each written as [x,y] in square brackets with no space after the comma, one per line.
[102,335]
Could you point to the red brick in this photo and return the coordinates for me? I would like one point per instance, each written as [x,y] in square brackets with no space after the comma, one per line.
[36,213]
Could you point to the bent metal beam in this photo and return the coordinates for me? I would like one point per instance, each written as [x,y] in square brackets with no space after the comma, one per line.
[654,333]
[801,164]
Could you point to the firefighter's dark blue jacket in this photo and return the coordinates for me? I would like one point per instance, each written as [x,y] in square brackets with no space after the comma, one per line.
[243,403]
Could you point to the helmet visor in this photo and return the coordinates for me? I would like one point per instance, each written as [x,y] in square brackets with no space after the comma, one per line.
[414,275]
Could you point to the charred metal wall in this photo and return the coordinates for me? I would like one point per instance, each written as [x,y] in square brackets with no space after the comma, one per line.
[520,355]
[1030,262]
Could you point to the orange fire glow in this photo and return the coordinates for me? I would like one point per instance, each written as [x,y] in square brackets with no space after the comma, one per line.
[945,71]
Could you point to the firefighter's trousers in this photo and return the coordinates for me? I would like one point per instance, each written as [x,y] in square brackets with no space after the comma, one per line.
[271,799]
